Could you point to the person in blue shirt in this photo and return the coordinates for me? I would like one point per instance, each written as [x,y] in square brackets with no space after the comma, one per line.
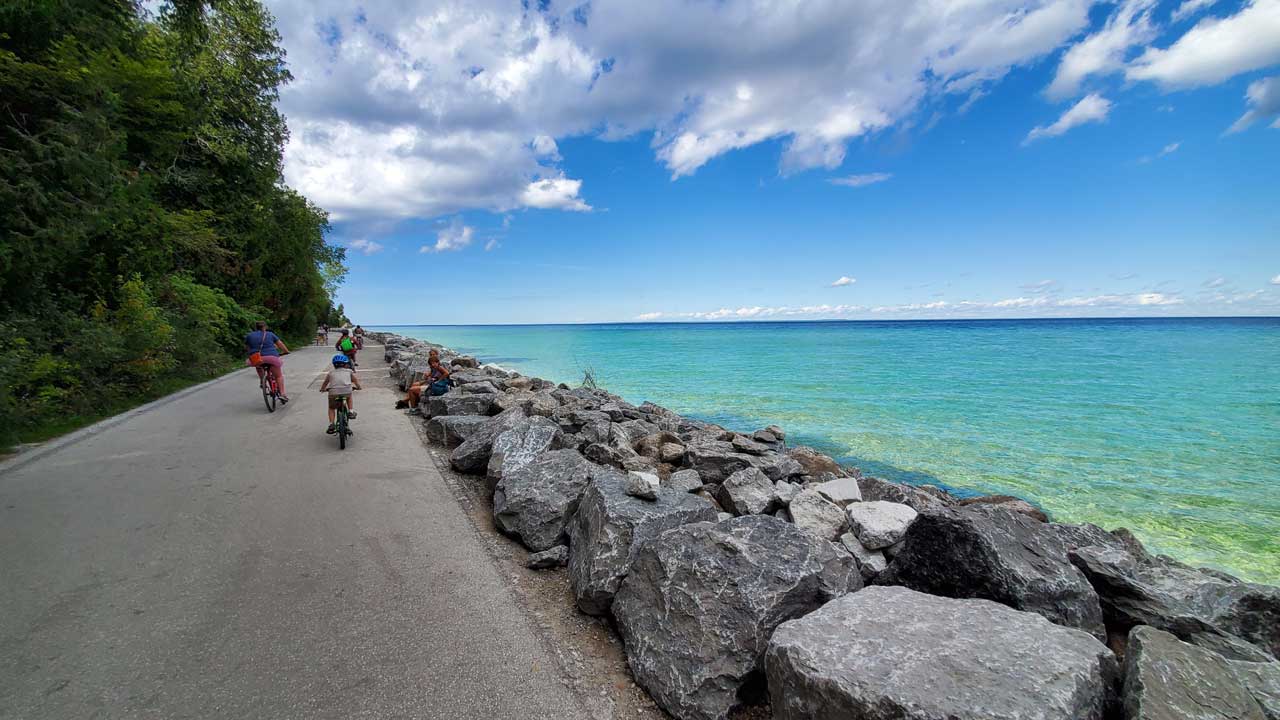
[270,348]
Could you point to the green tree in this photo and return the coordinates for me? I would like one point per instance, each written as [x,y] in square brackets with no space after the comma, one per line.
[144,220]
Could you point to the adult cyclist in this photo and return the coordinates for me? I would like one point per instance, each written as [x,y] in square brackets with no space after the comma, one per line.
[347,346]
[269,348]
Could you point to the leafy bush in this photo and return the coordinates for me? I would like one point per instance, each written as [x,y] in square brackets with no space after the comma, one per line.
[144,220]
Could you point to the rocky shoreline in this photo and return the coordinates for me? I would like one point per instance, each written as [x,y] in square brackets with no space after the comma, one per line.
[739,570]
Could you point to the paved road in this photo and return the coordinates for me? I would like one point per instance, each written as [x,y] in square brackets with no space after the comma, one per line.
[204,559]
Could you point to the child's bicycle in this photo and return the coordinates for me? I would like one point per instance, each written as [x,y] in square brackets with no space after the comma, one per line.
[270,389]
[343,423]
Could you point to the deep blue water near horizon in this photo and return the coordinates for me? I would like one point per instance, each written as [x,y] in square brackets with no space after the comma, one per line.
[1170,427]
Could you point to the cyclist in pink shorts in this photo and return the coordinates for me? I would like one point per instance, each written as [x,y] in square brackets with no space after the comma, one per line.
[269,348]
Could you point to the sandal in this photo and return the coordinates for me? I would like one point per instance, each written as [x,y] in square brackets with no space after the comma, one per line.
[333,428]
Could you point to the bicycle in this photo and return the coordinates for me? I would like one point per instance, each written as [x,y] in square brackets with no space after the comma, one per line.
[270,389]
[343,429]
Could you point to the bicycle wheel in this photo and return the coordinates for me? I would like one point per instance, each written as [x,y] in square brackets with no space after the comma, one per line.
[268,393]
[342,429]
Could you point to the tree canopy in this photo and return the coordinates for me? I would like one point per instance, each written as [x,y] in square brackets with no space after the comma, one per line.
[143,214]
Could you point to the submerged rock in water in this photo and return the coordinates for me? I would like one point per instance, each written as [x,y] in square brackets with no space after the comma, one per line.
[701,601]
[893,653]
[609,526]
[1008,502]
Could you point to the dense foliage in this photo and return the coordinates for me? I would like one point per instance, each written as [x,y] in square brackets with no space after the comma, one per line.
[144,222]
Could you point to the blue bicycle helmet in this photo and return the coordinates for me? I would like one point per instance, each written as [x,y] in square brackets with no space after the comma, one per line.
[340,359]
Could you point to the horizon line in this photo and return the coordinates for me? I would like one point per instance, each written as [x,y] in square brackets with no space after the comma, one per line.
[746,321]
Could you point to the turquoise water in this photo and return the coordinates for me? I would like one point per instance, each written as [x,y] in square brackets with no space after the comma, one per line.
[1168,427]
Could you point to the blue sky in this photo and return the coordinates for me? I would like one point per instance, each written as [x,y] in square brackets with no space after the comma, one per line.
[490,164]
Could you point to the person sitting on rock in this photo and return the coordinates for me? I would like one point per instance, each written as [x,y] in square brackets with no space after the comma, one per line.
[436,383]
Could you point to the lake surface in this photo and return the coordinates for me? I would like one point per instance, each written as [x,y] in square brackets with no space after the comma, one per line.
[1170,427]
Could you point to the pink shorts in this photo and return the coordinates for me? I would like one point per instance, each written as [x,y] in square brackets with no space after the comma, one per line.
[274,360]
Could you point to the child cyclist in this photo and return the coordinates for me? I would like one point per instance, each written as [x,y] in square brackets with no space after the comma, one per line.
[339,382]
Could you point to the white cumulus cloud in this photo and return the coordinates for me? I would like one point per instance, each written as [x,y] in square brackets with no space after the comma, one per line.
[844,280]
[1104,51]
[364,245]
[1215,49]
[1264,104]
[423,108]
[1189,8]
[860,180]
[558,193]
[453,236]
[1275,280]
[1091,108]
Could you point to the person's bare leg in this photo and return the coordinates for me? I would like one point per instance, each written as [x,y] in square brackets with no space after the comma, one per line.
[278,372]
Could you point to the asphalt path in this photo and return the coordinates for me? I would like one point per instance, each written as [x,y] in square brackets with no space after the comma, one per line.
[201,558]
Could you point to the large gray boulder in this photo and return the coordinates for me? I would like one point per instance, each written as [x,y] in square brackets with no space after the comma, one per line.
[841,491]
[870,562]
[455,402]
[919,498]
[683,480]
[987,552]
[609,526]
[1236,619]
[1166,678]
[894,654]
[453,430]
[698,606]
[746,492]
[535,502]
[1262,680]
[472,456]
[716,460]
[519,445]
[879,524]
[812,512]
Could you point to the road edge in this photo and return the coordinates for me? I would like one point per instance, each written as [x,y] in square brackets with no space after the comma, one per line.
[51,446]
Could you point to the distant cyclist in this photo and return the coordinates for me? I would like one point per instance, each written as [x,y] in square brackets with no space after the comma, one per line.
[347,346]
[340,382]
[264,343]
